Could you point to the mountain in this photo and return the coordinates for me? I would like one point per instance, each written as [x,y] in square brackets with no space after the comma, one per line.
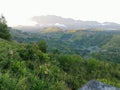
[29,66]
[96,85]
[67,23]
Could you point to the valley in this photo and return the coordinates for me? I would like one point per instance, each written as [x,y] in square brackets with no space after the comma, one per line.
[86,43]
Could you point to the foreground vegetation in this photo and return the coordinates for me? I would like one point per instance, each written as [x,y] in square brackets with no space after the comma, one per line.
[26,67]
[30,67]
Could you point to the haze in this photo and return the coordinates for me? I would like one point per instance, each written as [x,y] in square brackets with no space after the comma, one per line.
[19,12]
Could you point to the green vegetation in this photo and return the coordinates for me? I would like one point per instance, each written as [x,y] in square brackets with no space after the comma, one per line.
[102,45]
[4,30]
[42,46]
[28,66]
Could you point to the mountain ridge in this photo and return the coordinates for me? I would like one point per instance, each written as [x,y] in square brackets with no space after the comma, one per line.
[67,23]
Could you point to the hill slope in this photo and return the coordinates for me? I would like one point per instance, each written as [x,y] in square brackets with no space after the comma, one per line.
[103,45]
[27,67]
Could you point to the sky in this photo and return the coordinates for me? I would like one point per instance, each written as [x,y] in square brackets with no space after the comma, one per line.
[19,12]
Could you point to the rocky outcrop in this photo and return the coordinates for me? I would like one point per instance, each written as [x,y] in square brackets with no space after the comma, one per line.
[96,85]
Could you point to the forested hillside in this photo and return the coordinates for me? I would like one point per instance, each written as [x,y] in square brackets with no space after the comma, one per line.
[29,65]
[59,45]
[26,67]
[102,45]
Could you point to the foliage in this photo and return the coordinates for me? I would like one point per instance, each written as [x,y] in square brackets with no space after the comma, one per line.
[42,46]
[4,30]
[29,67]
[102,45]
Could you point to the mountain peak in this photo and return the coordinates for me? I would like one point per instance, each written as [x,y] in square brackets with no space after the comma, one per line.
[69,23]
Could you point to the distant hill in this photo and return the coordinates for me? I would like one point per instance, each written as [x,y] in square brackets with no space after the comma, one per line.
[103,45]
[67,23]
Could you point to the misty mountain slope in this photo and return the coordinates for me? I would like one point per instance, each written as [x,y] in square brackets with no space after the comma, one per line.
[67,23]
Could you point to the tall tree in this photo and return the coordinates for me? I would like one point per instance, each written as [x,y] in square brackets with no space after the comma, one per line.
[42,46]
[4,30]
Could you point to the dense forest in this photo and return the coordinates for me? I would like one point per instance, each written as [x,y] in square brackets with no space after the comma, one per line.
[102,45]
[57,60]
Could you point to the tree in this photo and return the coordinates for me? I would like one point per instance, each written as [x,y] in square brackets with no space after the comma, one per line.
[4,30]
[42,46]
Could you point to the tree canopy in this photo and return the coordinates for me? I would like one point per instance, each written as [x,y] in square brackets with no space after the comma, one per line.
[42,46]
[4,30]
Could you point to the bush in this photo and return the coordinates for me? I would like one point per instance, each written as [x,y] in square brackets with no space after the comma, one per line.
[4,30]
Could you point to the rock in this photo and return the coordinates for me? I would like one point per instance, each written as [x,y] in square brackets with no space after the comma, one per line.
[96,85]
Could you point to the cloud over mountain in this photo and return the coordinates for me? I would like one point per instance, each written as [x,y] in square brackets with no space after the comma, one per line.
[69,23]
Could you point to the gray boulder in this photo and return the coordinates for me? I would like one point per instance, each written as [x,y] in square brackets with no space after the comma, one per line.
[96,85]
